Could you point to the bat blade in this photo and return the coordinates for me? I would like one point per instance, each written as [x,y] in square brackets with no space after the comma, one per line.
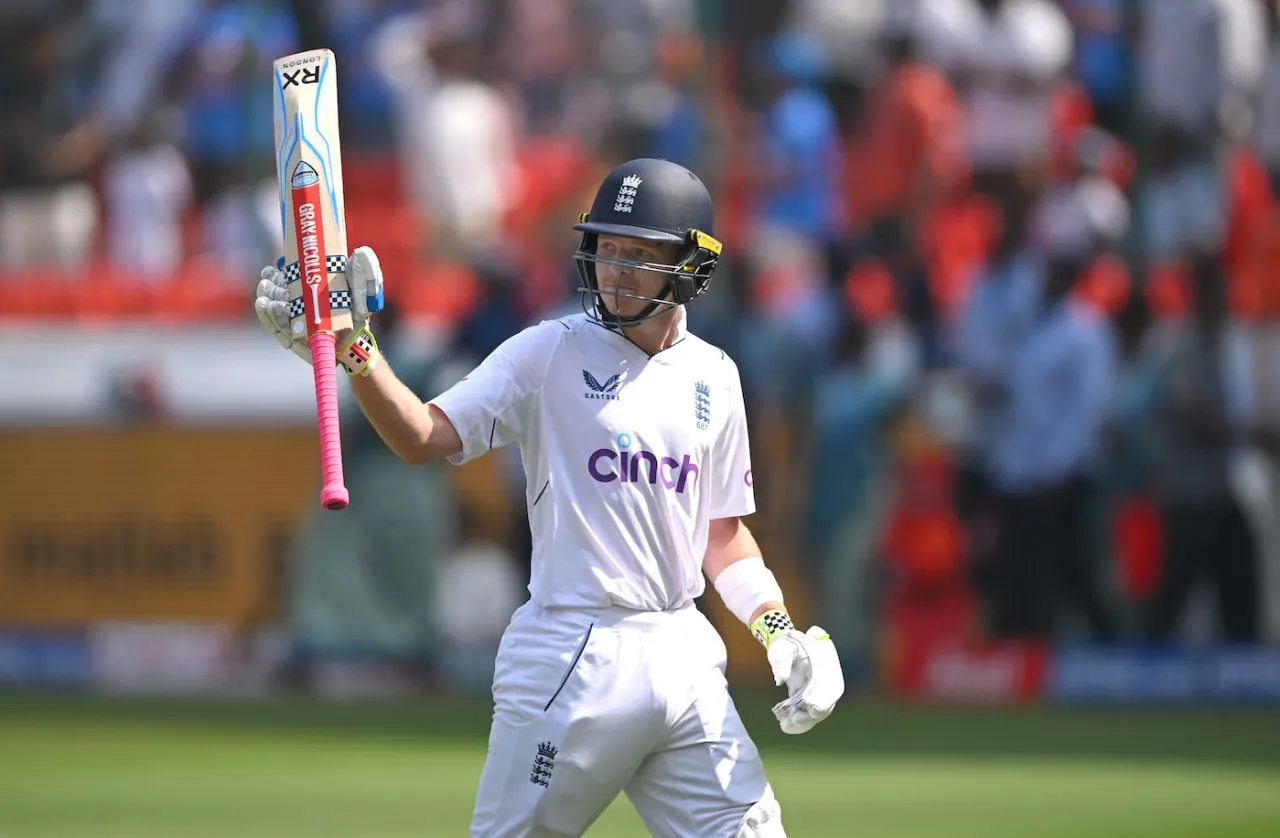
[313,220]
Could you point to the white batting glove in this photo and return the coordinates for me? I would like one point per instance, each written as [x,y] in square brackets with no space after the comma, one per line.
[359,351]
[807,663]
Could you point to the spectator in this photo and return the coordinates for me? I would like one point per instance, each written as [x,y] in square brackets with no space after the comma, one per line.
[800,160]
[1266,134]
[138,40]
[1008,57]
[847,32]
[649,57]
[48,210]
[1103,59]
[542,47]
[1183,199]
[992,328]
[1045,461]
[221,82]
[1199,63]
[911,147]
[365,96]
[1203,407]
[683,131]
[1244,57]
[1181,68]
[146,190]
[457,131]
[1130,447]
[793,320]
[857,397]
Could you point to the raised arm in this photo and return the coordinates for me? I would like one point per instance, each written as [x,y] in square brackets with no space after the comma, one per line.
[416,431]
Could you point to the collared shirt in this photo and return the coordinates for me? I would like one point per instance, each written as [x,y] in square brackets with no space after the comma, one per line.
[1000,314]
[1059,395]
[627,457]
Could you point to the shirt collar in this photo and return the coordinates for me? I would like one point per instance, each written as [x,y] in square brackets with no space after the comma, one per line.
[681,332]
[682,326]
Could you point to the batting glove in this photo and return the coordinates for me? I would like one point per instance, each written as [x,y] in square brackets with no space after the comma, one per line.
[808,664]
[358,353]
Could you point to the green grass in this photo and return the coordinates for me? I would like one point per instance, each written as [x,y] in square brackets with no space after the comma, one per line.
[75,767]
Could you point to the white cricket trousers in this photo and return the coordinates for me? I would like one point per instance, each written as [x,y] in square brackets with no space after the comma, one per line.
[589,703]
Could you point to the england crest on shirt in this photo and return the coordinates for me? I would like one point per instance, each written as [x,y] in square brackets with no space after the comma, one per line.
[702,404]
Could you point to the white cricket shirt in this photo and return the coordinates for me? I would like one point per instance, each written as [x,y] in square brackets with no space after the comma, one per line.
[627,457]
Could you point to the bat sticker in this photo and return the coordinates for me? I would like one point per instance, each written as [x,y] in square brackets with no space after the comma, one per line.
[304,174]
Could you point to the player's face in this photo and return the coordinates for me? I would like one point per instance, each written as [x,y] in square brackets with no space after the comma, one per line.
[621,285]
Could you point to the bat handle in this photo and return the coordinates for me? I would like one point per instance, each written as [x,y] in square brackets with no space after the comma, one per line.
[333,494]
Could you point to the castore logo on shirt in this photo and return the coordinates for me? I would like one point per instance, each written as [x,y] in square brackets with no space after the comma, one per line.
[607,389]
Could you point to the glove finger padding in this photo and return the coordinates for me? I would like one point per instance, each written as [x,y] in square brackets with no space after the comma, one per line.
[271,305]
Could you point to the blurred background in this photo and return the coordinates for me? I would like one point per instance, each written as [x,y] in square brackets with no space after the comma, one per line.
[1000,276]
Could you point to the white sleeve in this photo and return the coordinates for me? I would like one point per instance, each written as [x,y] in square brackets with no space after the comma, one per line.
[492,405]
[730,480]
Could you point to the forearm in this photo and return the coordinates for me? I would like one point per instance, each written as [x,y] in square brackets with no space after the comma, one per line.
[417,432]
[734,565]
[766,604]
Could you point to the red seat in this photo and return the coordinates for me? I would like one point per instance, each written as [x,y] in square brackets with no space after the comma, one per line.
[39,292]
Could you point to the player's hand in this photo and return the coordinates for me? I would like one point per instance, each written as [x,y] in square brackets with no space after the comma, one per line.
[364,275]
[808,664]
[272,303]
[272,308]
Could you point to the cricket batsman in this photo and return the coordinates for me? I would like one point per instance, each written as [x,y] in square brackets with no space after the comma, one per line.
[633,436]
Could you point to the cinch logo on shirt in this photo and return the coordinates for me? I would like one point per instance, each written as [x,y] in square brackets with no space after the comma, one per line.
[605,465]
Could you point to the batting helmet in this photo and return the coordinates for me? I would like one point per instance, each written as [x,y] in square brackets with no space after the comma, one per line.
[655,201]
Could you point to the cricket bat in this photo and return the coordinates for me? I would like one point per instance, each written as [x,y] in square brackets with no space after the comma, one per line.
[313,215]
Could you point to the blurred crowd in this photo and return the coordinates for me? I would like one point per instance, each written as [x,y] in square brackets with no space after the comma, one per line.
[998,274]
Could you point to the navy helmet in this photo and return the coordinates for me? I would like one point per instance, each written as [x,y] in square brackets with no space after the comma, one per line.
[656,201]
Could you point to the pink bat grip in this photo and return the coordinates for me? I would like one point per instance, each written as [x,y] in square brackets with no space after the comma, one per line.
[333,494]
